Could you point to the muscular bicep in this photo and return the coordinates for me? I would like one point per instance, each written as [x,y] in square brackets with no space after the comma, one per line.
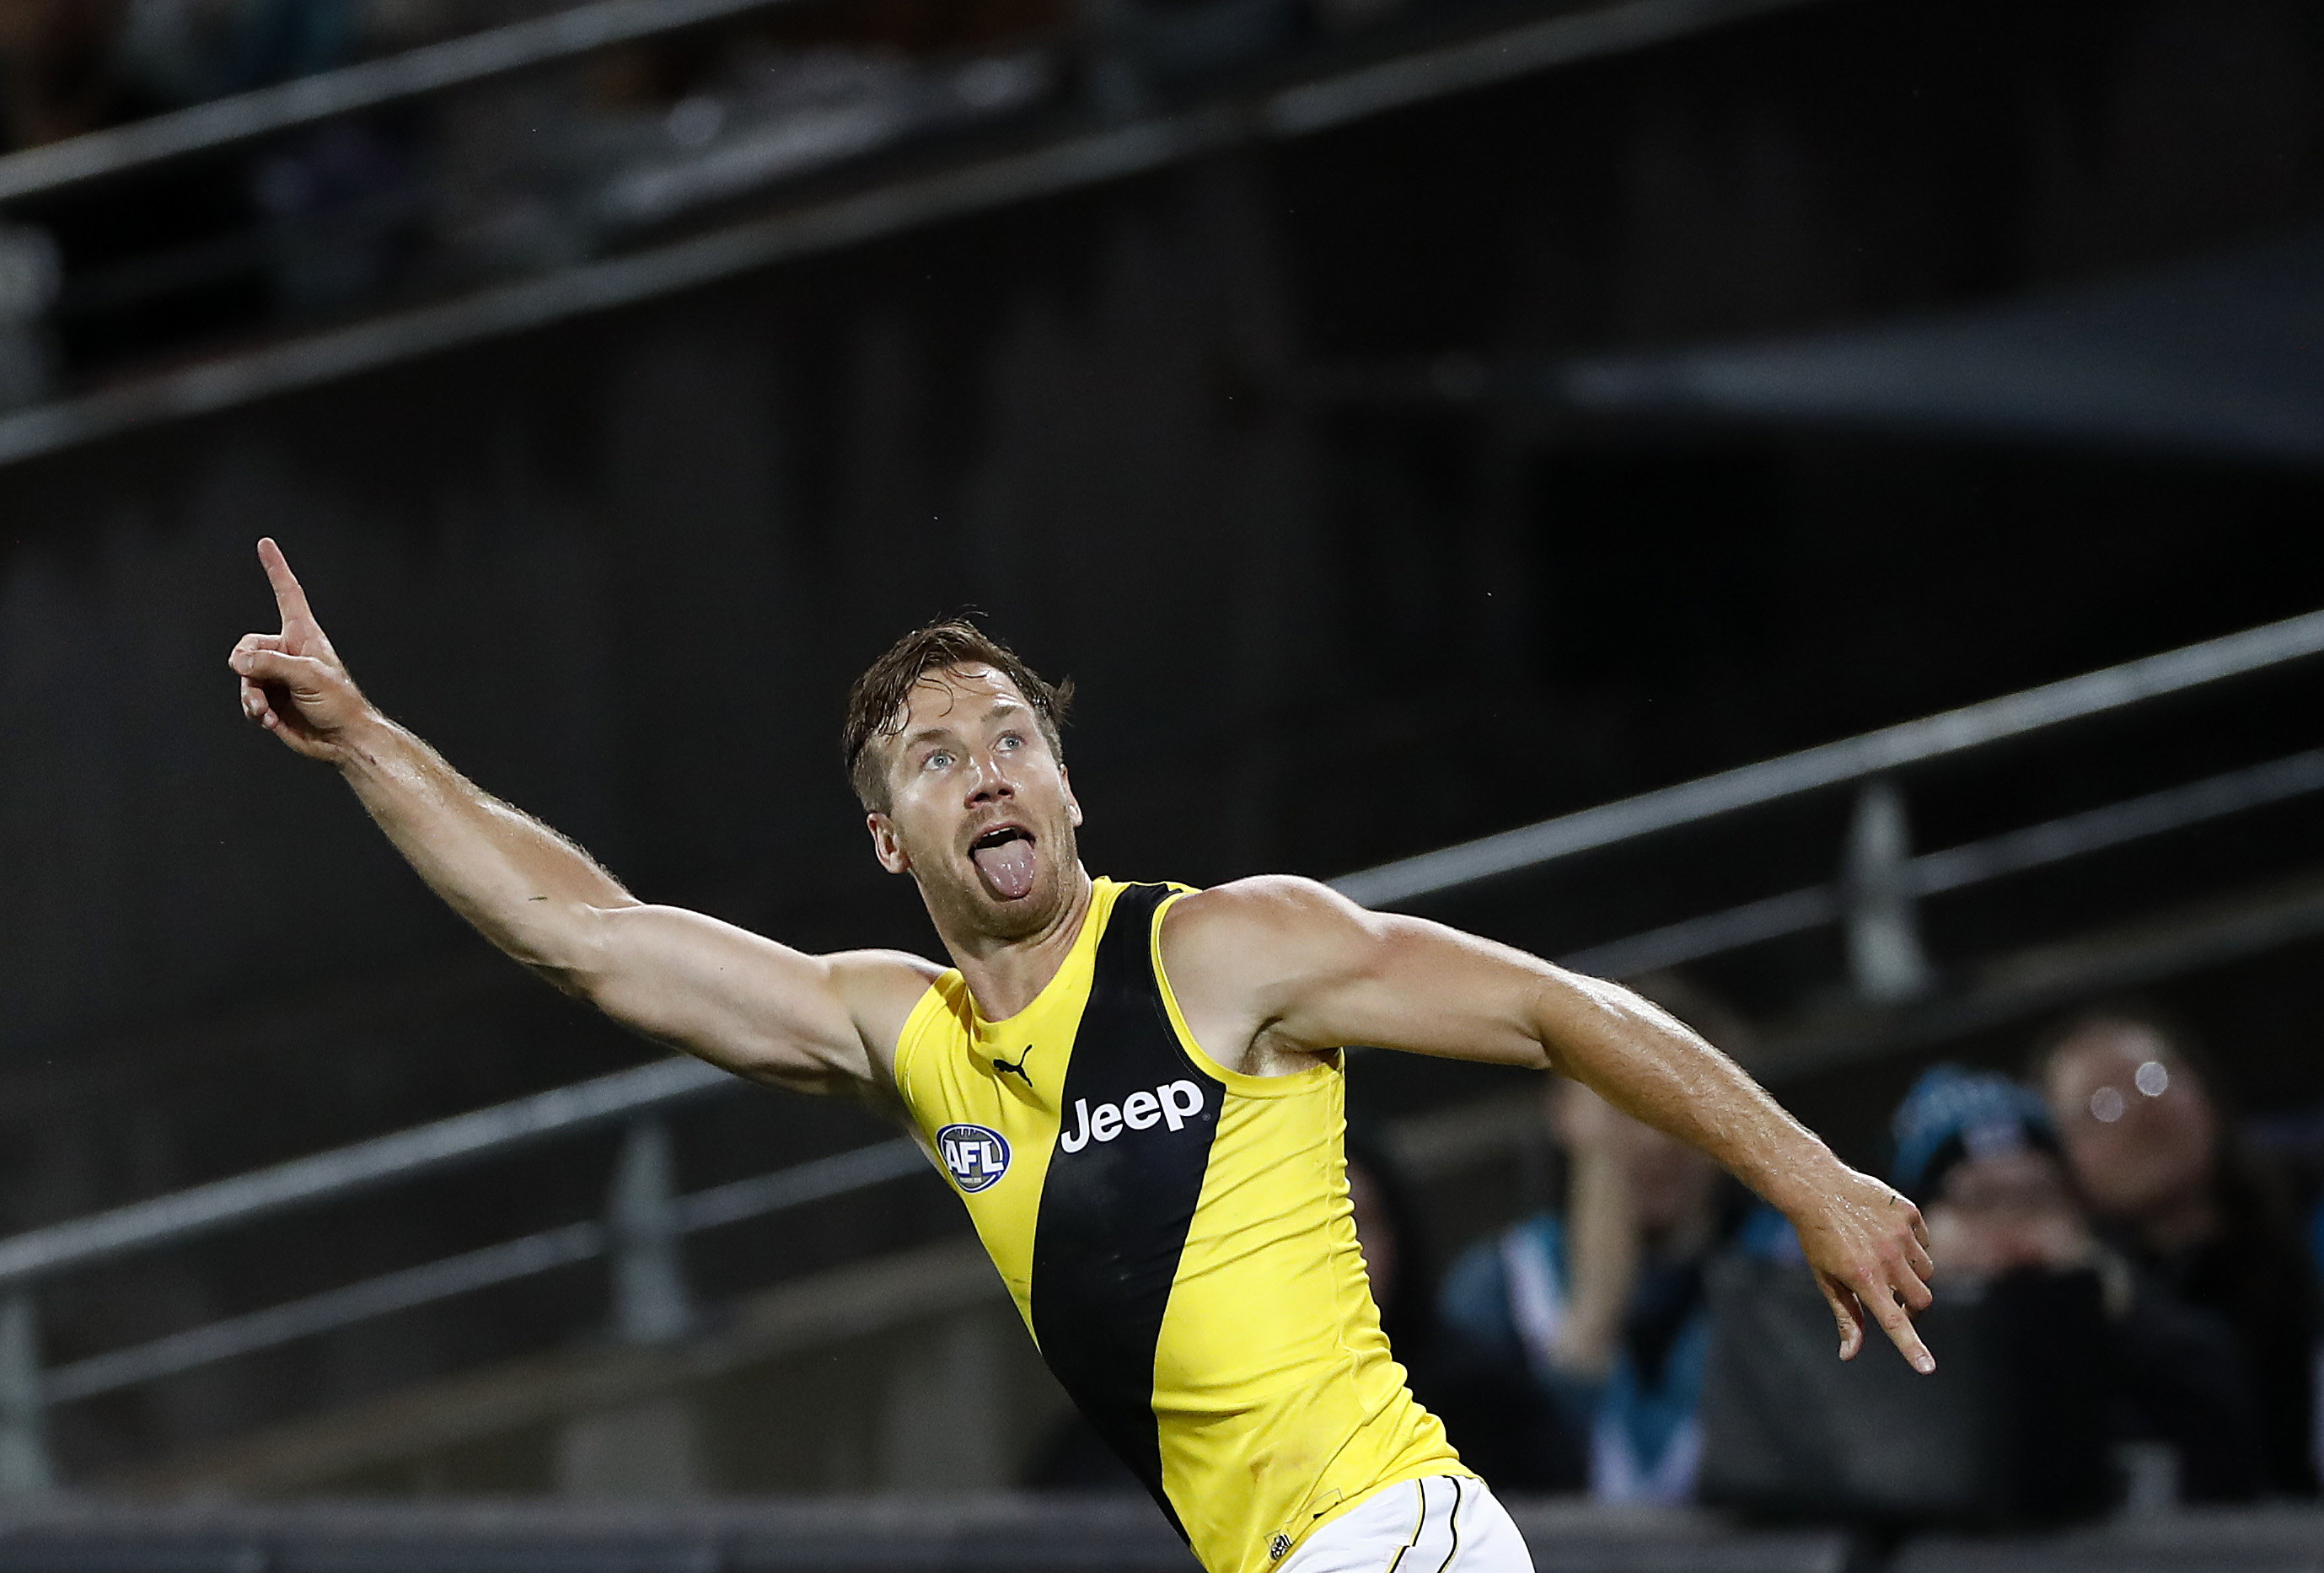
[748,1004]
[1405,983]
[1294,965]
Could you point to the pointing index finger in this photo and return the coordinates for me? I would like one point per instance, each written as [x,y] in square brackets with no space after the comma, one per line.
[1897,1323]
[290,599]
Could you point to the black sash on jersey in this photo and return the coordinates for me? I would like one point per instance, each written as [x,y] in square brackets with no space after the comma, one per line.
[1114,1215]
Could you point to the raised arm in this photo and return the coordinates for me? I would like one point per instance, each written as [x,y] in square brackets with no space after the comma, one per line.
[1284,967]
[755,1007]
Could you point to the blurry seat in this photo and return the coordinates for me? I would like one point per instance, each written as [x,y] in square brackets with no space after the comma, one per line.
[2011,1428]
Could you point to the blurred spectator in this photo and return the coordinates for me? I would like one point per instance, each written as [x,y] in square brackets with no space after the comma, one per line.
[1137,46]
[73,66]
[176,53]
[1573,1342]
[2156,1161]
[325,196]
[1981,1155]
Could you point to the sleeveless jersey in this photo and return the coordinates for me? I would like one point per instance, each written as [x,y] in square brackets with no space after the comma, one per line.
[1177,1237]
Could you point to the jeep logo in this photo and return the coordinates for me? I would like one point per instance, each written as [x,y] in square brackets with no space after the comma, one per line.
[1174,1104]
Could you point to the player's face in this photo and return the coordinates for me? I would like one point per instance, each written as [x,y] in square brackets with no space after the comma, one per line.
[980,810]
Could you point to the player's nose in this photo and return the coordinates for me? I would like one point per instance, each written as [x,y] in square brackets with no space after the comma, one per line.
[989,783]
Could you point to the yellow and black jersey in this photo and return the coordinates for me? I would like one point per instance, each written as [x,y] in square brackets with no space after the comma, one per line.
[1177,1237]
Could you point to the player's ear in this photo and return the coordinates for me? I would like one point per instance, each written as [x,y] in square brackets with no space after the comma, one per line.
[1072,803]
[885,847]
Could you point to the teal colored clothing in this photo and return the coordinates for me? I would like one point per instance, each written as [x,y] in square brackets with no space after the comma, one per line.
[1635,1436]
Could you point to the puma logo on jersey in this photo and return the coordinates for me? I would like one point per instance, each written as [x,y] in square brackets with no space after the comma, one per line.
[1175,1103]
[1017,1069]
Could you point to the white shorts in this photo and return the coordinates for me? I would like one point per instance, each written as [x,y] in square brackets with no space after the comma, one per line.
[1446,1523]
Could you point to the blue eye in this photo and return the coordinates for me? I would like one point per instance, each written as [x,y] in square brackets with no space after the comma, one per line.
[939,760]
[1011,740]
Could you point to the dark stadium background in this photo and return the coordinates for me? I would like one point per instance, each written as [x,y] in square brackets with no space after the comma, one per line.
[1244,445]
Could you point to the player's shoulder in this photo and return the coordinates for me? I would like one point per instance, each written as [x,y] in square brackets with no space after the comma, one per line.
[880,963]
[877,973]
[1276,915]
[881,989]
[1263,896]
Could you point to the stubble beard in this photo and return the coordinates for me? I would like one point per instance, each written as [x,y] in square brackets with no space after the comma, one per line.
[963,906]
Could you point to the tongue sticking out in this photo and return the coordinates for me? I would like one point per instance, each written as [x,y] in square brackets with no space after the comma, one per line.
[1007,867]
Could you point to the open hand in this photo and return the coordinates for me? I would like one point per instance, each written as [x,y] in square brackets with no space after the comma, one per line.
[1870,1253]
[293,683]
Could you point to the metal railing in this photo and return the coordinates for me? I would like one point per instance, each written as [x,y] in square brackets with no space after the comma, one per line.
[1873,902]
[480,56]
[588,256]
[1878,861]
[391,226]
[645,1219]
[598,25]
[1852,759]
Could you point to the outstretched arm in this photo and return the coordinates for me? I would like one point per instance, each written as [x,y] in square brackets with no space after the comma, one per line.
[763,1010]
[1268,967]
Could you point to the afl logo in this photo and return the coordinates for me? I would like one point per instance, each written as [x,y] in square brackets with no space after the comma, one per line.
[976,1156]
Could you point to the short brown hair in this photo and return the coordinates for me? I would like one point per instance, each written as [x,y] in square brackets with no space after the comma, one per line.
[877,696]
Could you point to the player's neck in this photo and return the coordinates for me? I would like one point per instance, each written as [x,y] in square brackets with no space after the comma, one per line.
[1005,975]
